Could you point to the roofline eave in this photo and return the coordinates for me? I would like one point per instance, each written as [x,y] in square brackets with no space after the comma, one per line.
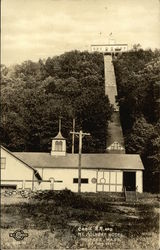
[34,170]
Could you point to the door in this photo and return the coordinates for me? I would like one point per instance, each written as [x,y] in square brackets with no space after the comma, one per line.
[129,181]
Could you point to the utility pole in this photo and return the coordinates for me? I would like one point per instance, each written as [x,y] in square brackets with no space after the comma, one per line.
[81,135]
[73,136]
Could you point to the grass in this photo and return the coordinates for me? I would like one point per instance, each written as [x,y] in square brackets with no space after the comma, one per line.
[54,220]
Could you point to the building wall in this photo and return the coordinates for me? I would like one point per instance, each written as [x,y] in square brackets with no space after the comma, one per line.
[113,179]
[110,48]
[67,176]
[139,181]
[110,181]
[107,180]
[15,172]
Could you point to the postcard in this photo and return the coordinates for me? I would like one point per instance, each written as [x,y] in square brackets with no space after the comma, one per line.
[79,131]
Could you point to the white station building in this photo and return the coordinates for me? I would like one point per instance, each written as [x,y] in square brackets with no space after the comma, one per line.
[59,170]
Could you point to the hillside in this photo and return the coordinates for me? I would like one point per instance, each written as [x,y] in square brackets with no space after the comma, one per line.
[138,81]
[34,95]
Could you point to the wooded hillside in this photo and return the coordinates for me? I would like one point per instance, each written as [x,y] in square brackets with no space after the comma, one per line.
[34,95]
[138,81]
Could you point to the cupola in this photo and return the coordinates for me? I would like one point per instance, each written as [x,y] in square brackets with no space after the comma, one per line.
[58,144]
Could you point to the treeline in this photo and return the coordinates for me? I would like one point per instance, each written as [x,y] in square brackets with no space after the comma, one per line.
[138,80]
[35,95]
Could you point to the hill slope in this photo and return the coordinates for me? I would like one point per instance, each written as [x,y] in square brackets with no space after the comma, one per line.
[138,81]
[34,95]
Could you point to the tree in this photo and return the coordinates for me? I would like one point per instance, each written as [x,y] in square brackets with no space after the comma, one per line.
[138,76]
[36,94]
[137,47]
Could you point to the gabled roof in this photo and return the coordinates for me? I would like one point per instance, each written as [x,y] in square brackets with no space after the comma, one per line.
[89,161]
[24,162]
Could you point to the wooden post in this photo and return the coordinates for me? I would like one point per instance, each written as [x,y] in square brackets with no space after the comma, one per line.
[23,185]
[80,158]
[60,124]
[33,181]
[81,135]
[52,183]
[73,136]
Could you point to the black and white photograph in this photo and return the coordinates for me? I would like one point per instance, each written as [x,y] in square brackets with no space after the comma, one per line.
[80,124]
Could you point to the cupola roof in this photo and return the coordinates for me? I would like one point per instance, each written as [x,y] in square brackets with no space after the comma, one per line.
[59,136]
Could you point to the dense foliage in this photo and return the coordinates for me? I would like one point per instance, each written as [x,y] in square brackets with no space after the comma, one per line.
[34,95]
[138,80]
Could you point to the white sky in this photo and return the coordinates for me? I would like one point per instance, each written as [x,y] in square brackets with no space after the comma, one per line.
[33,29]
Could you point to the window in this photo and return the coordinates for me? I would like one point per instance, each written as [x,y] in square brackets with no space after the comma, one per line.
[118,49]
[116,146]
[8,186]
[58,146]
[83,180]
[3,163]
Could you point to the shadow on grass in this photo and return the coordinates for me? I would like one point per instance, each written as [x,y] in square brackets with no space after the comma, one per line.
[54,210]
[145,221]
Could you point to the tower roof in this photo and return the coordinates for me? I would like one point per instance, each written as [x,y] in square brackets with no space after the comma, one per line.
[59,136]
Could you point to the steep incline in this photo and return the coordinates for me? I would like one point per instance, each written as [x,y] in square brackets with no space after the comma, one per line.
[110,81]
[115,141]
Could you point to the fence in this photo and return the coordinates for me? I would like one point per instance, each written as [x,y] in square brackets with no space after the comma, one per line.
[22,184]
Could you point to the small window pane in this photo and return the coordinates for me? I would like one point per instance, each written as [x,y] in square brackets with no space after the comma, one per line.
[100,188]
[119,177]
[113,177]
[119,188]
[100,175]
[106,188]
[106,175]
[112,188]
